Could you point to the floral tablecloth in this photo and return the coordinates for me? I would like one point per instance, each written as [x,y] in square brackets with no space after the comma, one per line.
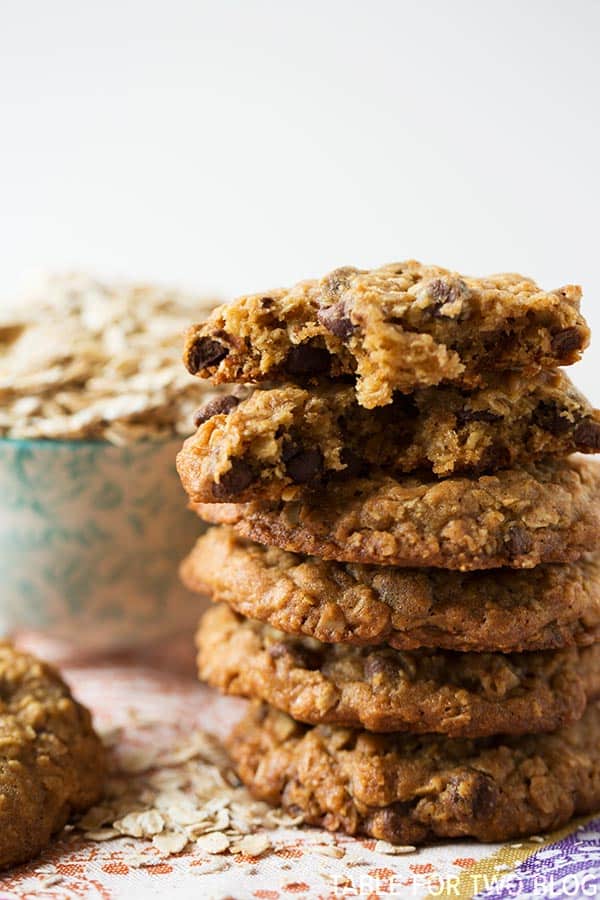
[160,687]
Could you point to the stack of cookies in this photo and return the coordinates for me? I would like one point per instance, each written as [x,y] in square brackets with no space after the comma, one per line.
[404,564]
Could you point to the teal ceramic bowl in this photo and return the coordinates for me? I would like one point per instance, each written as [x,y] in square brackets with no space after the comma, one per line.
[91,536]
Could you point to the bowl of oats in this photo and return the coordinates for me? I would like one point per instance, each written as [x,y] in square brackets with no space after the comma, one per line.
[94,404]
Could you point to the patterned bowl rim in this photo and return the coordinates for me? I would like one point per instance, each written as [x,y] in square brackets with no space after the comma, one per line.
[84,442]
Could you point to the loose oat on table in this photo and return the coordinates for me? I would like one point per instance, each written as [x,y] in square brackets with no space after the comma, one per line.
[504,610]
[81,358]
[381,689]
[168,798]
[399,327]
[281,441]
[409,789]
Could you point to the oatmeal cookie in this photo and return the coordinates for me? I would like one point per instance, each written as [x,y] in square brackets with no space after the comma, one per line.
[380,689]
[505,610]
[399,327]
[408,789]
[547,512]
[51,761]
[282,441]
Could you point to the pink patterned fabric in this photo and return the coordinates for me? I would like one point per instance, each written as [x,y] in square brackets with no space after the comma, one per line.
[161,688]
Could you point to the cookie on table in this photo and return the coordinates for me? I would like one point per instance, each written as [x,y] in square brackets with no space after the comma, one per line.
[409,789]
[395,328]
[503,610]
[381,689]
[282,441]
[545,512]
[52,763]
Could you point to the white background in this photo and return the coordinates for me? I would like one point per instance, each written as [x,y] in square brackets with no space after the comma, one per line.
[234,146]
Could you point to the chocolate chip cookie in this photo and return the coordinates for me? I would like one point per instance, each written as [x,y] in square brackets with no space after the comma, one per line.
[396,328]
[51,761]
[505,610]
[408,789]
[380,689]
[282,441]
[547,512]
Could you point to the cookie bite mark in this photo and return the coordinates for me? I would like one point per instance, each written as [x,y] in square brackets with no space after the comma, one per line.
[217,406]
[400,327]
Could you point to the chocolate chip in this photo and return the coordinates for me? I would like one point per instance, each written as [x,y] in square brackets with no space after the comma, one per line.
[380,667]
[565,342]
[305,465]
[214,408]
[587,436]
[355,466]
[494,458]
[234,481]
[307,359]
[266,302]
[300,657]
[473,796]
[518,541]
[547,415]
[464,416]
[446,290]
[335,319]
[393,823]
[205,352]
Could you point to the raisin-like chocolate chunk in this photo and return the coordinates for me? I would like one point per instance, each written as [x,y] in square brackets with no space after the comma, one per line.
[234,481]
[305,466]
[214,408]
[393,823]
[547,415]
[473,797]
[355,466]
[205,352]
[566,342]
[381,667]
[518,541]
[335,319]
[464,416]
[307,359]
[587,436]
[298,656]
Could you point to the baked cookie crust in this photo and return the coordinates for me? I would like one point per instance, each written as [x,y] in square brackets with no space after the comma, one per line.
[52,763]
[546,512]
[410,789]
[380,689]
[504,610]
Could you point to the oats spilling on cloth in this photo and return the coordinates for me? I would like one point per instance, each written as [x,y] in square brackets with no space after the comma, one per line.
[185,795]
[83,359]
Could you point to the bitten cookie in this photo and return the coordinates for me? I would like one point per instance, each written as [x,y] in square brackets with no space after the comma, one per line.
[399,327]
[505,610]
[281,441]
[547,512]
[51,761]
[408,789]
[381,689]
